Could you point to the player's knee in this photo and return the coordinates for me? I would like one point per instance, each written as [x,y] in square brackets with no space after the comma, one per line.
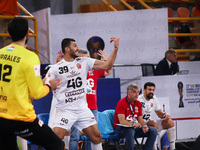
[97,139]
[167,124]
[171,123]
[153,124]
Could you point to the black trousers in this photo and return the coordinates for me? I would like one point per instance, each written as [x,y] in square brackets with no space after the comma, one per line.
[36,132]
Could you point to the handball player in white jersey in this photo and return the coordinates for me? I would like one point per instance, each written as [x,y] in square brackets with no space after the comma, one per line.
[71,104]
[149,105]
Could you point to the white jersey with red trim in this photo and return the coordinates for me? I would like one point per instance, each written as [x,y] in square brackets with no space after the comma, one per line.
[148,107]
[72,92]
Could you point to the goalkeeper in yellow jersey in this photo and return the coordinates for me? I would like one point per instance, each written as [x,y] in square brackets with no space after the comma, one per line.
[19,80]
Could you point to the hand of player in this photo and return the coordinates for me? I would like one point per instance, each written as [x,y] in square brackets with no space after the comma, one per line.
[59,56]
[166,116]
[145,129]
[55,83]
[103,55]
[137,125]
[116,41]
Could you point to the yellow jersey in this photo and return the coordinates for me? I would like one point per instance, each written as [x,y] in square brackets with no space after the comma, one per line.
[19,80]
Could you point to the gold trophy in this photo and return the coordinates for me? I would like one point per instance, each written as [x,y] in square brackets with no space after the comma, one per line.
[180,91]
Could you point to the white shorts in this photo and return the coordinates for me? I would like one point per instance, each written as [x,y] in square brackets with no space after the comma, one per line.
[80,119]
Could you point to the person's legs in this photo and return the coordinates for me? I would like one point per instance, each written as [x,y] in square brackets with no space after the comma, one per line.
[8,140]
[171,132]
[93,133]
[35,132]
[151,136]
[74,138]
[87,123]
[40,134]
[66,140]
[129,134]
[154,123]
[88,141]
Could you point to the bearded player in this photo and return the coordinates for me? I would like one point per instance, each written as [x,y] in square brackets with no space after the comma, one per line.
[71,104]
[149,105]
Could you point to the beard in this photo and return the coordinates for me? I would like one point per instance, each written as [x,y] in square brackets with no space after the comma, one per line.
[150,96]
[73,54]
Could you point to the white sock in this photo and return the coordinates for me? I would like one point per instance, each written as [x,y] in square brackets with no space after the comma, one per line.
[66,141]
[23,143]
[171,133]
[96,146]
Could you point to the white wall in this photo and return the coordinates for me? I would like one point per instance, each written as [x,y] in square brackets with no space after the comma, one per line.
[143,33]
[187,129]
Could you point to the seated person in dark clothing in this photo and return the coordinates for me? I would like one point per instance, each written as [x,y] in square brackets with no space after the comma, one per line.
[169,64]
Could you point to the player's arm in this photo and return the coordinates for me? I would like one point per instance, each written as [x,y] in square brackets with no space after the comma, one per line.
[34,81]
[107,65]
[140,120]
[162,115]
[144,127]
[104,57]
[123,121]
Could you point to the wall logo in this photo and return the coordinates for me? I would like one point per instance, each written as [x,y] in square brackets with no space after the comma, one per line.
[180,91]
[94,44]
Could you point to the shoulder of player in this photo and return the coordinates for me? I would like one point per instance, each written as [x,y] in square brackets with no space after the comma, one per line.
[141,97]
[137,102]
[154,98]
[29,55]
[122,101]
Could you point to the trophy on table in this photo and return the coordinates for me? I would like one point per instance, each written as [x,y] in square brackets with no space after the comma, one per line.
[180,91]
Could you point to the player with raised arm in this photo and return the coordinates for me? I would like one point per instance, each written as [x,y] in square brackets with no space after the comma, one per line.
[71,105]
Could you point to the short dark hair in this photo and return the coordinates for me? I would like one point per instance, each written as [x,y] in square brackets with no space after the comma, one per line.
[18,28]
[149,84]
[66,43]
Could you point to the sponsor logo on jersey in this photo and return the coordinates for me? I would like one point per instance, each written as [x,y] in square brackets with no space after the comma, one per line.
[22,132]
[136,109]
[151,104]
[3,98]
[37,70]
[40,122]
[76,92]
[73,99]
[129,118]
[92,119]
[10,48]
[78,66]
[73,74]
